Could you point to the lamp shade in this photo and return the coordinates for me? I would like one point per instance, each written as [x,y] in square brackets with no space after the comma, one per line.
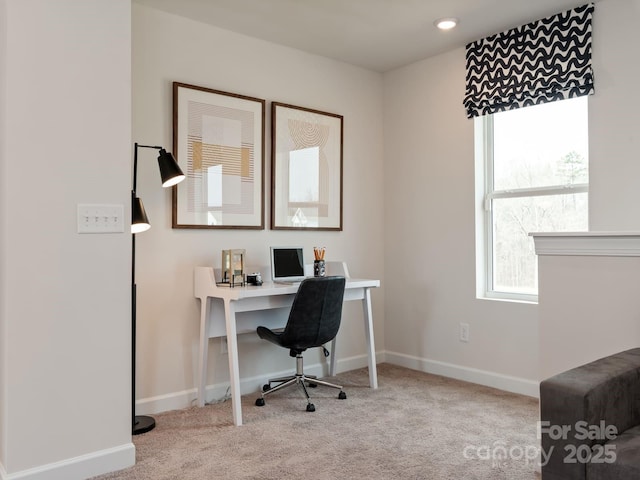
[139,219]
[169,169]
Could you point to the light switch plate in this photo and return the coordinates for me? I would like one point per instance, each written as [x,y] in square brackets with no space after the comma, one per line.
[100,218]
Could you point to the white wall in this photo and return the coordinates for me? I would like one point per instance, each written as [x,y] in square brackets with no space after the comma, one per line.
[430,238]
[589,306]
[168,48]
[614,141]
[65,297]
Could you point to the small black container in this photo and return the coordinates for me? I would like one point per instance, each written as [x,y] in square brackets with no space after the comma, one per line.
[319,268]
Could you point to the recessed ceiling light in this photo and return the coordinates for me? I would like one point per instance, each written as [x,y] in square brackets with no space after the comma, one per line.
[446,23]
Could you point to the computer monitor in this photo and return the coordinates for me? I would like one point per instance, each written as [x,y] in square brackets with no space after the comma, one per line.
[287,264]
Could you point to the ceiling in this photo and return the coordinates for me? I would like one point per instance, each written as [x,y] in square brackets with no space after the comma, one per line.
[378,35]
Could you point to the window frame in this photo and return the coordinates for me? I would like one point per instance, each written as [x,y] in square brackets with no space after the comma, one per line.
[485,194]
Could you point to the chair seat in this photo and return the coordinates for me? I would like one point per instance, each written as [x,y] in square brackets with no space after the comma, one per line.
[276,338]
[269,335]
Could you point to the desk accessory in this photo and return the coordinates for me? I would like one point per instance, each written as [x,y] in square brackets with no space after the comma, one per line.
[233,267]
[287,264]
[319,269]
[171,174]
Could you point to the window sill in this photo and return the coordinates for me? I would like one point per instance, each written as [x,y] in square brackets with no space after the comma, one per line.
[510,298]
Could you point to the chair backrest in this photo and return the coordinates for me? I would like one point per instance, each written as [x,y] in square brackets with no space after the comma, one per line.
[315,315]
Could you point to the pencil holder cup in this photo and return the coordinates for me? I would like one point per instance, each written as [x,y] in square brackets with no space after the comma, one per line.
[318,268]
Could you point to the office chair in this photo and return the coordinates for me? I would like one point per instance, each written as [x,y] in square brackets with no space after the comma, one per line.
[314,320]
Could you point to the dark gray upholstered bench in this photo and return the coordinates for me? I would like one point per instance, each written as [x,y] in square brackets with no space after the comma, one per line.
[582,409]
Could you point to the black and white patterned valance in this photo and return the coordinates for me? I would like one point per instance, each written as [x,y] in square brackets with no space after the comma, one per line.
[543,61]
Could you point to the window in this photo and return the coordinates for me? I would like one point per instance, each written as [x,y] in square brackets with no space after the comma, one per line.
[532,176]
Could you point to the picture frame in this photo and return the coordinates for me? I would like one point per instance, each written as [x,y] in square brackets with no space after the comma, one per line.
[218,141]
[306,168]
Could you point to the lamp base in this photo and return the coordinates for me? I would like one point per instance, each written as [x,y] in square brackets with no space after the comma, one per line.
[143,424]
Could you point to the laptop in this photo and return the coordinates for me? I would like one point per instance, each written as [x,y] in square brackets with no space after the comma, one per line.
[287,264]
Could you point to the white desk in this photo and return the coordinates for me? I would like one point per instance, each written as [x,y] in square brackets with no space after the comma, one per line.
[218,308]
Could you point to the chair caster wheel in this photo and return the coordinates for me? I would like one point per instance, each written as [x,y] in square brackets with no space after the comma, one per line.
[266,387]
[311,407]
[342,395]
[260,402]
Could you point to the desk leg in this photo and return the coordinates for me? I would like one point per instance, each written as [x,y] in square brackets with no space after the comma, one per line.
[332,360]
[234,371]
[204,350]
[371,345]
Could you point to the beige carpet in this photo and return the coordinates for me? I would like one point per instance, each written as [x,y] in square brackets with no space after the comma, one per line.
[415,426]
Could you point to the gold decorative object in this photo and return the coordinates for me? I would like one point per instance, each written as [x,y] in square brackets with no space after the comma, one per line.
[233,267]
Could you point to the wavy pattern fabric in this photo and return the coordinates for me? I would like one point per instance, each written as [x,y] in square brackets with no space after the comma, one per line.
[539,62]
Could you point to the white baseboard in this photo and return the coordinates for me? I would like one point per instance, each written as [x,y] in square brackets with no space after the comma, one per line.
[219,391]
[508,383]
[84,466]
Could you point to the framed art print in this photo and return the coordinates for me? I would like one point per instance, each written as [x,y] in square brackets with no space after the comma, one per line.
[306,169]
[218,141]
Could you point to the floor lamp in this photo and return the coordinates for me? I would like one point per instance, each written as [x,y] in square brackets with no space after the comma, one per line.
[171,175]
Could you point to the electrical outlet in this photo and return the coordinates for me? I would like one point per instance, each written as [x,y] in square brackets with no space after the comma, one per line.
[224,349]
[464,332]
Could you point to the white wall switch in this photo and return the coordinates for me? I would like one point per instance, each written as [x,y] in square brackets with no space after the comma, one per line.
[100,218]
